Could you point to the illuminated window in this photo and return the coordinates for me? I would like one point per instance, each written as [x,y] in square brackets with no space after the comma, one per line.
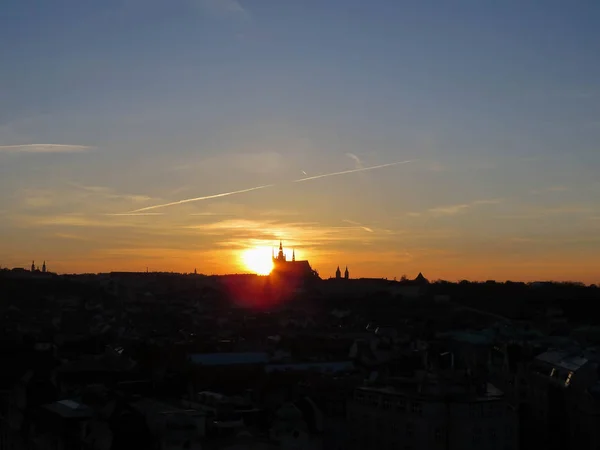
[568,380]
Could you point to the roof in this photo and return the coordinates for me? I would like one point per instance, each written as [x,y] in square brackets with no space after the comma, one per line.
[563,360]
[151,406]
[69,409]
[337,366]
[229,359]
[491,392]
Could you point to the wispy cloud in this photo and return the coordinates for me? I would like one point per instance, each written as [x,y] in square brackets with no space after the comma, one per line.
[110,193]
[241,232]
[222,7]
[72,237]
[263,162]
[456,209]
[357,161]
[549,190]
[357,224]
[44,148]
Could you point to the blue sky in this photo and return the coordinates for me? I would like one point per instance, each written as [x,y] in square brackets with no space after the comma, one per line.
[152,101]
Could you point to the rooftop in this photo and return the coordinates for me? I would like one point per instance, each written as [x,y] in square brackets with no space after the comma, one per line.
[457,392]
[69,409]
[229,359]
[563,360]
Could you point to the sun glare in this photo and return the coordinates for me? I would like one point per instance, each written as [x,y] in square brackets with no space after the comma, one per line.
[258,260]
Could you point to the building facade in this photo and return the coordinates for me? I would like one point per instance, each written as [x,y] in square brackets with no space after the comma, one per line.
[412,417]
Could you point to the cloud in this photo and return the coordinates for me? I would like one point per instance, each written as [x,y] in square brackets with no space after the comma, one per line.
[86,220]
[357,161]
[550,189]
[72,237]
[456,209]
[44,148]
[109,193]
[357,224]
[222,8]
[243,232]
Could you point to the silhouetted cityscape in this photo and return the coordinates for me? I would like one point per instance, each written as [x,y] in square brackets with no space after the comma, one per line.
[289,360]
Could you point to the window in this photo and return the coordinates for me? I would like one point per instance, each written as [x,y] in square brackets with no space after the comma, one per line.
[438,435]
[387,404]
[492,434]
[417,408]
[475,410]
[410,430]
[401,405]
[373,400]
[568,380]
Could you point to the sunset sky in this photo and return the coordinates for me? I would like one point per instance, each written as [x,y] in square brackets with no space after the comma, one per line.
[114,106]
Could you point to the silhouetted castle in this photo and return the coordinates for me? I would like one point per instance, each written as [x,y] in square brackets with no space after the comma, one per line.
[293,268]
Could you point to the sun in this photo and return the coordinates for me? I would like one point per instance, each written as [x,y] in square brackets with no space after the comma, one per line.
[258,260]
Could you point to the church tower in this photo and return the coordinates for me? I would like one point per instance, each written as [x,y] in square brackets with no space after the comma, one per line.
[44,267]
[294,254]
[33,266]
[338,273]
[280,255]
[346,274]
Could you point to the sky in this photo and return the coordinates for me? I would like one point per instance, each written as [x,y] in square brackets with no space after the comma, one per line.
[491,110]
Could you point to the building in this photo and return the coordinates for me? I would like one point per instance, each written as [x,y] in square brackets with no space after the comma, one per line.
[300,270]
[561,405]
[432,412]
[338,274]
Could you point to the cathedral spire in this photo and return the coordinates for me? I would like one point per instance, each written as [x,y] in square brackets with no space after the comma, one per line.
[293,254]
[280,255]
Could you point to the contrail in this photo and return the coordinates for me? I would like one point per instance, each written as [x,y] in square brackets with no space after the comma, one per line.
[225,194]
[134,214]
[197,199]
[351,171]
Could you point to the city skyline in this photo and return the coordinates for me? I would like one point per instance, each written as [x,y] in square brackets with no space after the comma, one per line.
[392,137]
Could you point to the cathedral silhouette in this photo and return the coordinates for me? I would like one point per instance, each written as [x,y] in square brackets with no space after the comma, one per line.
[293,268]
